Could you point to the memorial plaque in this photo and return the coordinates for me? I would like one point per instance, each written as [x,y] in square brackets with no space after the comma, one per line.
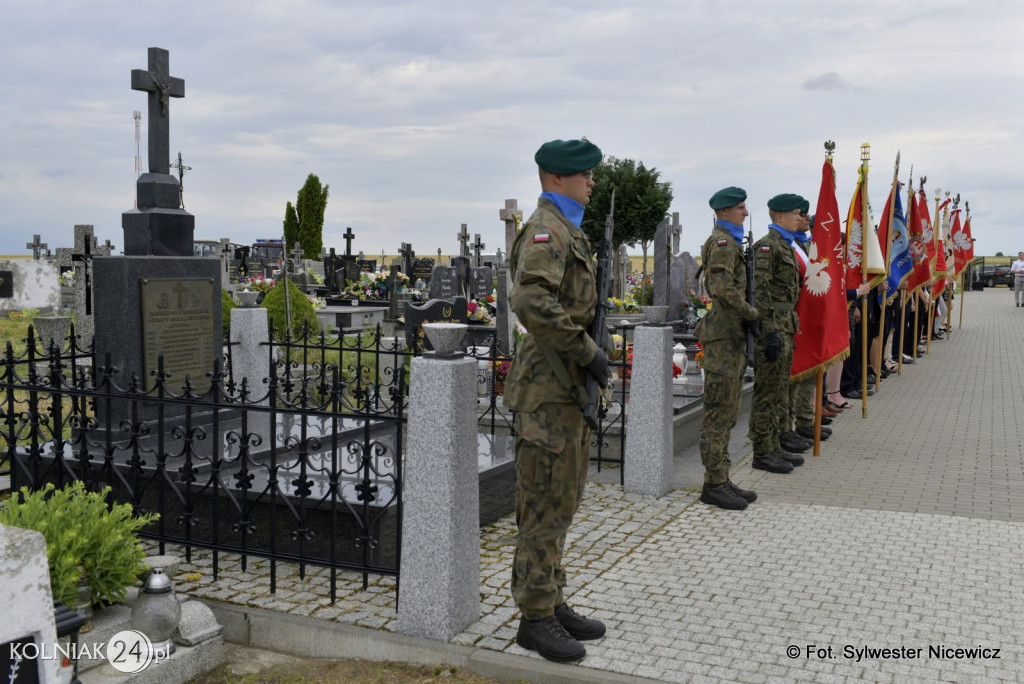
[178,321]
[422,269]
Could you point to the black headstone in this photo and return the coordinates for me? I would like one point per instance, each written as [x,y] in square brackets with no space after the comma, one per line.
[461,265]
[444,282]
[367,265]
[433,311]
[481,282]
[422,269]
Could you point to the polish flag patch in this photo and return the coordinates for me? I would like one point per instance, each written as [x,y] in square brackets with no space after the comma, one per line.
[766,249]
[540,237]
[723,243]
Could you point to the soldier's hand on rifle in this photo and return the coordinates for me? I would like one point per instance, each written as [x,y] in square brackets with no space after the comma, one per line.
[772,346]
[599,366]
[753,326]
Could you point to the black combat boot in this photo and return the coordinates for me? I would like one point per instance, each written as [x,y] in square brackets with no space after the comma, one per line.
[794,443]
[794,459]
[548,638]
[746,494]
[772,463]
[722,496]
[579,627]
[808,432]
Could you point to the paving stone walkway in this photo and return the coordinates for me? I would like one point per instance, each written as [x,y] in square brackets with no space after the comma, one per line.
[895,556]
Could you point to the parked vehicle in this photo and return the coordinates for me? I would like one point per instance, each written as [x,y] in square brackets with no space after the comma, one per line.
[208,248]
[991,275]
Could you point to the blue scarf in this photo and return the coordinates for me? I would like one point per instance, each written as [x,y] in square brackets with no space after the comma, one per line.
[731,229]
[570,208]
[786,235]
[803,237]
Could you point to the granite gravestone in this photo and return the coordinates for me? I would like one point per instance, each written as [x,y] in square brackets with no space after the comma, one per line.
[422,269]
[27,284]
[684,279]
[158,226]
[481,282]
[444,282]
[28,624]
[433,311]
[158,300]
[348,274]
[662,275]
[367,265]
[79,260]
[506,321]
[461,265]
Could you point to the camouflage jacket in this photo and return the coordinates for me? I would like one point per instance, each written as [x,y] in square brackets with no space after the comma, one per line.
[725,277]
[776,284]
[554,295]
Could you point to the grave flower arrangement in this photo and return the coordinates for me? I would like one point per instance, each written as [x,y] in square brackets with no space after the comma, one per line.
[700,303]
[317,302]
[67,278]
[478,312]
[369,286]
[501,368]
[259,283]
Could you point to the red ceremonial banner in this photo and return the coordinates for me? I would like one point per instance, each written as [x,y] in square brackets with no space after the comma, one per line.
[824,335]
[916,225]
[960,241]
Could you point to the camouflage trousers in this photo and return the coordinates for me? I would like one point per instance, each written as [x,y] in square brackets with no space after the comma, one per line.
[801,404]
[552,457]
[769,407]
[724,364]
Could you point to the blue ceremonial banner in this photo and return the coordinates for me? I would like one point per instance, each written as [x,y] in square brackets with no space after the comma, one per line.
[901,263]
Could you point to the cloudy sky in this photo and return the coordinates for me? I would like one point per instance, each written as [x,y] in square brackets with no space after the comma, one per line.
[422,116]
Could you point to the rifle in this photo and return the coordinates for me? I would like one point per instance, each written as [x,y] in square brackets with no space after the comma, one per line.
[748,255]
[598,330]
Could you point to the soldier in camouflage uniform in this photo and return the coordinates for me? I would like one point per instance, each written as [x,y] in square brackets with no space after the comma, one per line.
[776,288]
[554,295]
[722,335]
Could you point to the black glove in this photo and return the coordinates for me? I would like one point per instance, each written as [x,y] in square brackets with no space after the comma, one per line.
[772,346]
[599,366]
[753,326]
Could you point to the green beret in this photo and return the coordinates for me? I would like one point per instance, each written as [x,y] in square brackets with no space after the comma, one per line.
[566,157]
[727,197]
[786,202]
[805,207]
[811,224]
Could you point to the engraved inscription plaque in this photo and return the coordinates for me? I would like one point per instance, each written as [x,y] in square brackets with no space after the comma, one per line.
[178,322]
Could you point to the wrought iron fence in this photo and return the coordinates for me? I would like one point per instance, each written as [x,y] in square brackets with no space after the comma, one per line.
[305,469]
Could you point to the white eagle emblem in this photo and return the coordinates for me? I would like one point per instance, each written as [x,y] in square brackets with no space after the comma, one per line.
[926,230]
[961,242]
[818,279]
[853,252]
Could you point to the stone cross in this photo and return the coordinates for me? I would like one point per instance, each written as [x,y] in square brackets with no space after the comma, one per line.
[463,238]
[109,247]
[348,240]
[181,179]
[512,218]
[84,257]
[160,86]
[296,255]
[225,262]
[407,255]
[499,258]
[477,248]
[677,231]
[36,246]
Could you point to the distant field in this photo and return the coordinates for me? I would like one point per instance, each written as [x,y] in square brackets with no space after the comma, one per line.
[15,256]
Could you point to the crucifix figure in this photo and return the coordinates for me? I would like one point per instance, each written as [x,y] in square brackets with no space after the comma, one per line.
[181,178]
[160,85]
[348,241]
[36,246]
[463,238]
[85,258]
[477,248]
